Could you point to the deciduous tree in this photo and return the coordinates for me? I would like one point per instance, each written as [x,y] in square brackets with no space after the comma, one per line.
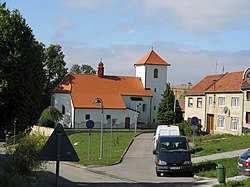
[54,66]
[22,75]
[83,69]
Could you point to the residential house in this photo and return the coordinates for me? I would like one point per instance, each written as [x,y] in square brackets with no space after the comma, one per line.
[218,102]
[122,101]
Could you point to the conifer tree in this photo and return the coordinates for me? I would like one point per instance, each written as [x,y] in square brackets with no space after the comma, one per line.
[166,114]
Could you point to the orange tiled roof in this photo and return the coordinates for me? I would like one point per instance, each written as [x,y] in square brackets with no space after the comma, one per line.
[152,58]
[204,84]
[85,88]
[228,82]
[182,104]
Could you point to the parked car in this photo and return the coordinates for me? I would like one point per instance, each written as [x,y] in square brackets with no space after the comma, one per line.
[163,130]
[172,155]
[244,163]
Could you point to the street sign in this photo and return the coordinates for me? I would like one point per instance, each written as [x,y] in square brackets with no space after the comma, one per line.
[49,151]
[90,124]
[194,120]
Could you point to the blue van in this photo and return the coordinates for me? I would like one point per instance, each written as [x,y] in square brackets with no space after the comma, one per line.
[172,155]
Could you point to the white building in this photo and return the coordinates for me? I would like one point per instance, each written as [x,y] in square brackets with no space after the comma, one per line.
[121,100]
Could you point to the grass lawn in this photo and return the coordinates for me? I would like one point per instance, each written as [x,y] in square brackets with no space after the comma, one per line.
[208,169]
[244,183]
[120,142]
[211,144]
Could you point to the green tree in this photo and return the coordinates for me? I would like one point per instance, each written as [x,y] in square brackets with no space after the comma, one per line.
[50,116]
[83,69]
[22,75]
[54,66]
[166,114]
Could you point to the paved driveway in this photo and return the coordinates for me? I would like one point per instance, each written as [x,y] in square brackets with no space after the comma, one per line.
[136,169]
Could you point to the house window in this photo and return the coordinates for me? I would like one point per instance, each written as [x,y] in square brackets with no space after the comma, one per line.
[247,117]
[190,102]
[235,102]
[87,116]
[248,95]
[210,101]
[221,121]
[199,102]
[221,101]
[155,73]
[144,106]
[235,123]
[154,107]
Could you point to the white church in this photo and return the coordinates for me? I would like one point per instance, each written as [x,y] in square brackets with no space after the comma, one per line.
[123,101]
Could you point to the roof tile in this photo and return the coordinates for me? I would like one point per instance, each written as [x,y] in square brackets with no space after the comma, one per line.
[152,58]
[85,88]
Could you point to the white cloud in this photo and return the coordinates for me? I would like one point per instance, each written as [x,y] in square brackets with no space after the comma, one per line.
[87,4]
[201,16]
[65,24]
[187,65]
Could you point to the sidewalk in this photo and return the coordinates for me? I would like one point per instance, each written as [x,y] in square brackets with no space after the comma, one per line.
[212,182]
[216,156]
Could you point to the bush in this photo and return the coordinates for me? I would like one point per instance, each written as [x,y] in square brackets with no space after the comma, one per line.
[46,123]
[185,128]
[22,160]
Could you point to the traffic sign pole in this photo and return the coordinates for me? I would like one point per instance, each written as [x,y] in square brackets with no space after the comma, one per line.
[58,158]
[89,144]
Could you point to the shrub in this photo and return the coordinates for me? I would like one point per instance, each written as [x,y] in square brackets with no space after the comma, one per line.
[185,128]
[22,160]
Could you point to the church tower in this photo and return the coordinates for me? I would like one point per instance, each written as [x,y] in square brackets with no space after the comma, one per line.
[152,70]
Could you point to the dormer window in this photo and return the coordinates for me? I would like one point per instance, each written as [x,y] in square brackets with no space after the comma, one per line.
[155,73]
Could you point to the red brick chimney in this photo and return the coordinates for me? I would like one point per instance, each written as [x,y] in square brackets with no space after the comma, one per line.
[100,69]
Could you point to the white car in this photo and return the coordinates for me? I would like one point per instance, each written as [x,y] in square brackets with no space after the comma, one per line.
[165,130]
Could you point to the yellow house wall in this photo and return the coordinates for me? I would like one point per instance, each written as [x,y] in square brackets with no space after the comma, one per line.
[219,111]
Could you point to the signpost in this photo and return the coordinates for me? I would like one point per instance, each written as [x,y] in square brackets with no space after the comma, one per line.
[194,121]
[58,148]
[89,124]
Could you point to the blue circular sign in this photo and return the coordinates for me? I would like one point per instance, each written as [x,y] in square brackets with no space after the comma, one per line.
[194,120]
[90,124]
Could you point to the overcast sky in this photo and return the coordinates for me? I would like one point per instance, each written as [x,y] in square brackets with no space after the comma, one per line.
[192,35]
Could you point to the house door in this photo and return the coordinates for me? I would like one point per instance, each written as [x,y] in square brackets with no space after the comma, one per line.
[210,123]
[127,122]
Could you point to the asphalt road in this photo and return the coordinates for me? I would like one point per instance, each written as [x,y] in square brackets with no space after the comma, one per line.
[136,169]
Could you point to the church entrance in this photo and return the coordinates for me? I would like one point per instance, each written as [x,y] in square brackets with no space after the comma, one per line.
[127,122]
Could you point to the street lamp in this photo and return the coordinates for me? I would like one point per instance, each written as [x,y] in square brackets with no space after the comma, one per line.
[136,115]
[98,101]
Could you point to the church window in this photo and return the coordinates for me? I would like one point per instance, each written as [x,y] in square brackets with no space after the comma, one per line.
[87,116]
[63,109]
[155,73]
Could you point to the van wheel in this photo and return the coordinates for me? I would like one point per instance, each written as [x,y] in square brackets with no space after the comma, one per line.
[158,174]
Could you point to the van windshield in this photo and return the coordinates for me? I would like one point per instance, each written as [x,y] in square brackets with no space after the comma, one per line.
[173,146]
